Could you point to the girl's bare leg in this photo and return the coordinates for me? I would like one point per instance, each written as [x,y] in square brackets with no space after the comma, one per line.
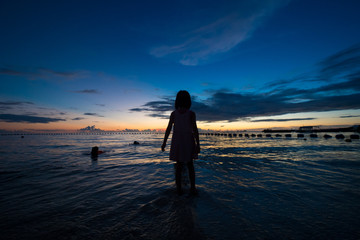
[192,177]
[178,177]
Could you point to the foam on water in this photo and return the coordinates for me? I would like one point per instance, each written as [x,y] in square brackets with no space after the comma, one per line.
[256,188]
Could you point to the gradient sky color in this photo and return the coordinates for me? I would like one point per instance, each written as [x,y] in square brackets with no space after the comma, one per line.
[119,64]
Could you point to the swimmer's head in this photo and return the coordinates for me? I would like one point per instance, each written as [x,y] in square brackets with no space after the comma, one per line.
[94,150]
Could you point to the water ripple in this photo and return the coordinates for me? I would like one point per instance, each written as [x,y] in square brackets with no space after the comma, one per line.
[252,188]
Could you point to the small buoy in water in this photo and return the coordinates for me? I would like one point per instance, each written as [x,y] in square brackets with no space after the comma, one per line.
[326,136]
[347,140]
[136,143]
[22,136]
[340,136]
[354,136]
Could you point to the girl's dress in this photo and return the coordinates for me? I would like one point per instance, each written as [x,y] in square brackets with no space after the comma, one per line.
[183,142]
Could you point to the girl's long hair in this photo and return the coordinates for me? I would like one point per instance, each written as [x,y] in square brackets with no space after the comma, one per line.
[183,100]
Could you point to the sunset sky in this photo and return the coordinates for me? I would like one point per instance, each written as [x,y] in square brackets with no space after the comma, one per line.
[119,64]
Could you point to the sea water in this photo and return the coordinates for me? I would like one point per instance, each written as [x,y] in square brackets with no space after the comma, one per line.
[248,188]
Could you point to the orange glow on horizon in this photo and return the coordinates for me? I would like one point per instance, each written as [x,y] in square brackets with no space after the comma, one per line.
[141,123]
[239,126]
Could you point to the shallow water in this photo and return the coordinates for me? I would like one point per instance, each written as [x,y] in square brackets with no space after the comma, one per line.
[249,188]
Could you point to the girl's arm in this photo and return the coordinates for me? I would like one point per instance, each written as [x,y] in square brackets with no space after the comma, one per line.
[196,132]
[167,132]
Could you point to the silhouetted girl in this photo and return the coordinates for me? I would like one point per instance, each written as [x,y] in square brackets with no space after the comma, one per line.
[185,144]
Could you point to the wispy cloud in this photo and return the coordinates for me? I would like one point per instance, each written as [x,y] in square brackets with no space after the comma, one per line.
[215,38]
[218,35]
[337,68]
[63,74]
[93,114]
[29,112]
[11,72]
[12,103]
[88,91]
[42,73]
[341,93]
[350,116]
[27,119]
[282,120]
[77,118]
[341,64]
[8,105]
[156,109]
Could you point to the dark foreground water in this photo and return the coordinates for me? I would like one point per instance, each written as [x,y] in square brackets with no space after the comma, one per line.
[256,188]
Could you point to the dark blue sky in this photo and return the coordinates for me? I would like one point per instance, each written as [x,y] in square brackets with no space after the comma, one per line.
[119,64]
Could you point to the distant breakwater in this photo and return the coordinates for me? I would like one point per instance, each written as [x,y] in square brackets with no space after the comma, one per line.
[355,129]
[268,135]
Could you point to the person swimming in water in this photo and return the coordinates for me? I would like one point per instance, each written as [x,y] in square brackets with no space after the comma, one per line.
[95,151]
